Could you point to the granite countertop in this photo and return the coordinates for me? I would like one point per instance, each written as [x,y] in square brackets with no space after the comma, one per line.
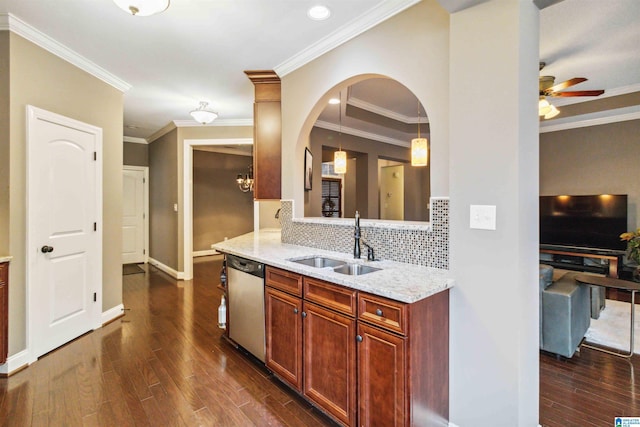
[399,281]
[4,258]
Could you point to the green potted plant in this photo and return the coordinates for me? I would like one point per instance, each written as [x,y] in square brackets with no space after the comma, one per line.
[633,250]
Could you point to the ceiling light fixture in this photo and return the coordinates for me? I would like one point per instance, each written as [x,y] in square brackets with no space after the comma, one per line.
[142,7]
[340,157]
[419,147]
[202,115]
[319,13]
[546,109]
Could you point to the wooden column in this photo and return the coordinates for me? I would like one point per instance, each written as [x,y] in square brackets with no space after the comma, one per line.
[267,134]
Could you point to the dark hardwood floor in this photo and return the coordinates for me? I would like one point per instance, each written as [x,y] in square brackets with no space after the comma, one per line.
[164,364]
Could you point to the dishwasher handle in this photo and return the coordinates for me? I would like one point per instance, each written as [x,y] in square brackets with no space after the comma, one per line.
[245,265]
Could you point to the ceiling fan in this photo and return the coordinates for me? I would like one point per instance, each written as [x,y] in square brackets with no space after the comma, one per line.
[547,88]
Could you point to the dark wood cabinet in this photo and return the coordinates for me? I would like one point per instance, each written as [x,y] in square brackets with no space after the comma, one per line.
[284,336]
[382,373]
[267,134]
[330,361]
[403,352]
[363,359]
[4,311]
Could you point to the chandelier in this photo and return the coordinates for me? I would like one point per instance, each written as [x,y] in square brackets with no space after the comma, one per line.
[245,183]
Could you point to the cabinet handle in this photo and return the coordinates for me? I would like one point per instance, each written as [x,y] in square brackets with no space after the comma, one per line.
[295,311]
[378,312]
[304,314]
[359,338]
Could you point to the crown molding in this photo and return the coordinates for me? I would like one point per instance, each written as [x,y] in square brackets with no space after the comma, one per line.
[217,122]
[161,132]
[134,140]
[592,119]
[361,134]
[364,105]
[16,25]
[375,16]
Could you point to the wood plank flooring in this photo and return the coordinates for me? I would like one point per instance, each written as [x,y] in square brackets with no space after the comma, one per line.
[164,364]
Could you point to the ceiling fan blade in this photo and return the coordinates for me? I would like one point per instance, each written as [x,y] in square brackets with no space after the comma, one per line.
[566,84]
[578,93]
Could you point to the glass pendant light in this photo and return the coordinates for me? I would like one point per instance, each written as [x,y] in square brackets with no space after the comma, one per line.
[340,157]
[419,147]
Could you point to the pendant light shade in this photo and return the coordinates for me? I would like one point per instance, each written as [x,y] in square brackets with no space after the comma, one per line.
[419,147]
[419,152]
[202,115]
[339,157]
[142,7]
[340,161]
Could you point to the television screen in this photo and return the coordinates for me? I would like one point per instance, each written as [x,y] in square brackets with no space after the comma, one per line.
[592,222]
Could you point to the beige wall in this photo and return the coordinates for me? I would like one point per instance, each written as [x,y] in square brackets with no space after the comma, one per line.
[163,194]
[135,154]
[220,209]
[4,143]
[45,81]
[593,160]
[416,56]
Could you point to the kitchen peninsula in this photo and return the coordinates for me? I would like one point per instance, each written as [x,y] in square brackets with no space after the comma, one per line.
[365,349]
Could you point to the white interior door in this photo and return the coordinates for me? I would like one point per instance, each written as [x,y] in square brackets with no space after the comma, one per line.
[64,218]
[133,216]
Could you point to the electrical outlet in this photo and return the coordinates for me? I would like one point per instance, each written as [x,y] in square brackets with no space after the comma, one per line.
[482,217]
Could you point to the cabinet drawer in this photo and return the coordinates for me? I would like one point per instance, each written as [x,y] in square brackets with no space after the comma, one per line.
[331,296]
[386,313]
[284,280]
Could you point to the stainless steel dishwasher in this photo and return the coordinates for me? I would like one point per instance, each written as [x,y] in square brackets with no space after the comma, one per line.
[245,288]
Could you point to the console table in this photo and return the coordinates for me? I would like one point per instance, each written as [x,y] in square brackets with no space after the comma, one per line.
[618,284]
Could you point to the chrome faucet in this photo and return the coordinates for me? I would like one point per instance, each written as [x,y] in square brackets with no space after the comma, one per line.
[356,235]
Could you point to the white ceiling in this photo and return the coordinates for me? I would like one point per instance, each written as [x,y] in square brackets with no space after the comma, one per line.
[197,50]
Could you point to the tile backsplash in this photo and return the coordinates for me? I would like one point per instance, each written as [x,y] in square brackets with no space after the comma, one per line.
[422,244]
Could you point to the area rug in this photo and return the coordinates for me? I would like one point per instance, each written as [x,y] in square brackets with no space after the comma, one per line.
[131,269]
[612,328]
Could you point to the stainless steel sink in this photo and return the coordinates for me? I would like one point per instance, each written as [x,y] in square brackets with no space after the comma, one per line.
[355,269]
[319,262]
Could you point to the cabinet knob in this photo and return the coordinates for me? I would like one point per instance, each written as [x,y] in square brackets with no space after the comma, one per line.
[378,312]
[295,311]
[359,338]
[304,314]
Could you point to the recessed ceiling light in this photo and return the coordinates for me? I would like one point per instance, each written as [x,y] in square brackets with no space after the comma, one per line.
[319,13]
[334,101]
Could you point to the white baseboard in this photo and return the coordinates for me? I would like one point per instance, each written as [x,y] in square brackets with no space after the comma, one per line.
[170,271]
[112,313]
[16,362]
[206,252]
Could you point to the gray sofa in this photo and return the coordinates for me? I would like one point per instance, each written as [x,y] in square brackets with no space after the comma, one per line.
[565,312]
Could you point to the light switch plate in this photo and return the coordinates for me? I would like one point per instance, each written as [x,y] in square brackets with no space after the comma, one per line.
[482,217]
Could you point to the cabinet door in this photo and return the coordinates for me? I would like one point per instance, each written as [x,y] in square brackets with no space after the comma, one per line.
[330,362]
[284,336]
[382,378]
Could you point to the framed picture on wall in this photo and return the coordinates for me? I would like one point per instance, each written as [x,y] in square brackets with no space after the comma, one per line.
[308,169]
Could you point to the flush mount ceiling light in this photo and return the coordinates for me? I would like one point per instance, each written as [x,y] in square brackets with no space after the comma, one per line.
[142,7]
[419,147]
[202,115]
[319,13]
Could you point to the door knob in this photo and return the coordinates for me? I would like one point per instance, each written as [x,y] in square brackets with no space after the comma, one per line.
[46,249]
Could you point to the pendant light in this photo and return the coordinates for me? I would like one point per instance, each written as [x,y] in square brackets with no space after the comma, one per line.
[419,147]
[340,157]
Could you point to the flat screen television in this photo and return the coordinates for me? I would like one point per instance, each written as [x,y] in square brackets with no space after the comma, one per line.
[589,222]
